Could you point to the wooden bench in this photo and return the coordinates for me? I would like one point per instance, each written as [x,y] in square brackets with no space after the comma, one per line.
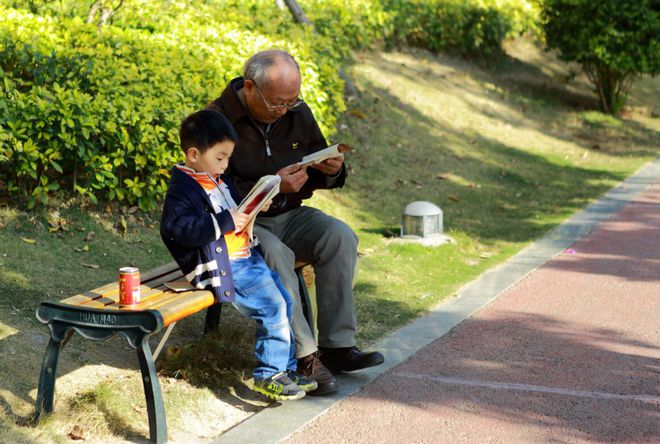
[97,315]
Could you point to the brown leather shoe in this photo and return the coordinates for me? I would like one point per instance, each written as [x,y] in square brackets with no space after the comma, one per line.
[312,367]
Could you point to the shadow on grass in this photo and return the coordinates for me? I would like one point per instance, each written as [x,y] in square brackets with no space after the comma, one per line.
[375,313]
[554,379]
[215,362]
[497,192]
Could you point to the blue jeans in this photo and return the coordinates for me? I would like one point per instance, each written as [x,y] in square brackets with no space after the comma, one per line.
[261,296]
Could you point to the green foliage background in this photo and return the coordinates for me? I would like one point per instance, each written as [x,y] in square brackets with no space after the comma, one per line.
[614,42]
[95,110]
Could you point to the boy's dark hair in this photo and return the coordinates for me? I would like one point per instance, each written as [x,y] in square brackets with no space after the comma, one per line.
[203,129]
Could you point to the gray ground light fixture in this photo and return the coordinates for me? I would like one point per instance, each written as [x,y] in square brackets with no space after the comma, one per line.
[421,222]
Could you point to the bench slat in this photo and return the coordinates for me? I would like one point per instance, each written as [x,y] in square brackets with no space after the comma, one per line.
[160,282]
[184,304]
[105,296]
[159,272]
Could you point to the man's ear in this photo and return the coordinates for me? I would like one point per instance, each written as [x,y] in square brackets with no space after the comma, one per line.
[249,86]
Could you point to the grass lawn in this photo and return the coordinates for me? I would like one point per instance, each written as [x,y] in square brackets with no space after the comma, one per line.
[507,148]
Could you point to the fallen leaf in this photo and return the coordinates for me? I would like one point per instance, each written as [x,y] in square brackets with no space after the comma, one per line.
[132,210]
[54,219]
[94,266]
[122,226]
[27,240]
[172,353]
[366,252]
[443,176]
[90,236]
[454,198]
[77,433]
[359,114]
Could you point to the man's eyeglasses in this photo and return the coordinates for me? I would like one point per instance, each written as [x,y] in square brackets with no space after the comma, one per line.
[299,101]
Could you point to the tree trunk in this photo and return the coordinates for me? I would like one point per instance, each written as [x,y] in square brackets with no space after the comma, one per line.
[297,12]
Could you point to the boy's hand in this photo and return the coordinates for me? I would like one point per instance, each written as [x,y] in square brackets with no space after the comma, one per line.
[330,167]
[240,220]
[267,205]
[293,178]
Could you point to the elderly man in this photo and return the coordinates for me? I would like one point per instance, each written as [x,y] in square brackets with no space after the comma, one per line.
[275,130]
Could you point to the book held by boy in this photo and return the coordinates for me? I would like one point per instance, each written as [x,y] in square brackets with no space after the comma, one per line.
[336,150]
[261,193]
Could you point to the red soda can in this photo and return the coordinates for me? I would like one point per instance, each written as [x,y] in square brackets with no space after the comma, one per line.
[129,285]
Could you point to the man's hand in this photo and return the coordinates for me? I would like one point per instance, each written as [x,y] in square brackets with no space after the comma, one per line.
[330,167]
[240,220]
[293,178]
[266,205]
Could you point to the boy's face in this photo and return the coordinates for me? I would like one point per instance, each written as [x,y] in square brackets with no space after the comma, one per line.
[213,161]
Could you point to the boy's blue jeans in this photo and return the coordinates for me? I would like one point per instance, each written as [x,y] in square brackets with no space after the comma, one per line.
[261,296]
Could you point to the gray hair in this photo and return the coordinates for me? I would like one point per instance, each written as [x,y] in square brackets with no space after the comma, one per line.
[256,68]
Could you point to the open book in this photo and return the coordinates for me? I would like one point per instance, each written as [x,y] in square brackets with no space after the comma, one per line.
[336,150]
[262,192]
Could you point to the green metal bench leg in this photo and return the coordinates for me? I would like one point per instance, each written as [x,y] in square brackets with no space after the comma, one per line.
[46,391]
[155,407]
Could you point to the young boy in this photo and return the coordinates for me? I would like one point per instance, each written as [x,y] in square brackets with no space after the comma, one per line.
[206,235]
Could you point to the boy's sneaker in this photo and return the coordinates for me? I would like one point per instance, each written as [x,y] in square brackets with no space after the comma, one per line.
[305,383]
[278,387]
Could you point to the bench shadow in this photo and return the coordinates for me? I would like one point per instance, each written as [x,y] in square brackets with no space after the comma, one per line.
[23,341]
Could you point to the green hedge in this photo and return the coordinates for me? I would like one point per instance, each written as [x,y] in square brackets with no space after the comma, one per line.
[466,26]
[98,109]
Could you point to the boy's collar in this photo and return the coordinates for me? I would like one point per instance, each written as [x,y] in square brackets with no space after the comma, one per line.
[204,179]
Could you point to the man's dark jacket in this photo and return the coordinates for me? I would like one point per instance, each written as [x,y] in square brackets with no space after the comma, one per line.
[293,136]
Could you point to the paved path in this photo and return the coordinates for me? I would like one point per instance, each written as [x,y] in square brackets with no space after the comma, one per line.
[569,353]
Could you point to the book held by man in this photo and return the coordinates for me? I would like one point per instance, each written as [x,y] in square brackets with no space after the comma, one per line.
[336,150]
[261,193]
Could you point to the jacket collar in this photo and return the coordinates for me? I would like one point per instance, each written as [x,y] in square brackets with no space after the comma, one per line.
[234,109]
[181,178]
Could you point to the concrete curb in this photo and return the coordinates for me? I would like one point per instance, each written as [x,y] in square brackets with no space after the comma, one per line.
[281,420]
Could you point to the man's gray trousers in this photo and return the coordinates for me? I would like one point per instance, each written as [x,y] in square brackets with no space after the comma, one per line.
[309,235]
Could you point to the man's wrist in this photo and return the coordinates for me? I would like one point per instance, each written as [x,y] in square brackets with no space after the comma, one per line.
[331,180]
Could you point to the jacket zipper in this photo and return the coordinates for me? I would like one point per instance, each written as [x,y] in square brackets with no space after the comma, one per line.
[264,134]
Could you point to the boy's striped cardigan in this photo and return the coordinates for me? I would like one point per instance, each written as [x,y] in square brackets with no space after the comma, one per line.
[188,228]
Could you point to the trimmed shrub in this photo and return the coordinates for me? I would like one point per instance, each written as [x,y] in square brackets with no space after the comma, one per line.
[466,26]
[99,109]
